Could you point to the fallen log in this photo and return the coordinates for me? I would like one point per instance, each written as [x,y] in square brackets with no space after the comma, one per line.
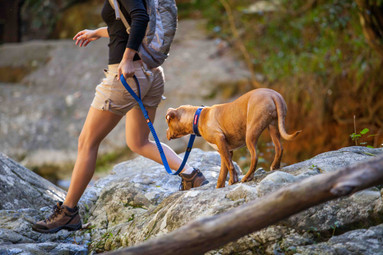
[213,232]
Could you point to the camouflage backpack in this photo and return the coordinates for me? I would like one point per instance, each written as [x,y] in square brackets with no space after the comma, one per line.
[160,32]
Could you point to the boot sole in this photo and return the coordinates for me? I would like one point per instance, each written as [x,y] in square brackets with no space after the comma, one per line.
[203,183]
[55,230]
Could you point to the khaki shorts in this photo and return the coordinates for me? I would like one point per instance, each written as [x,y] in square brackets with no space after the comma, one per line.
[112,96]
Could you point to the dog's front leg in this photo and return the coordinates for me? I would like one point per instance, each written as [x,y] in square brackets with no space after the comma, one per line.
[222,175]
[226,156]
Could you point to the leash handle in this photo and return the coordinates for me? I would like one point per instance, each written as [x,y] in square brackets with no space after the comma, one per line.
[150,124]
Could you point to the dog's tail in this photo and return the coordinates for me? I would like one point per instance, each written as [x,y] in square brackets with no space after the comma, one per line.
[281,111]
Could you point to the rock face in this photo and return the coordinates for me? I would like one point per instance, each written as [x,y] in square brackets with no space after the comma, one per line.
[25,198]
[139,201]
[38,18]
[22,188]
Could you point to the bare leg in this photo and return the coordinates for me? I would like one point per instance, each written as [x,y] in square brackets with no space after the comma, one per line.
[97,125]
[137,139]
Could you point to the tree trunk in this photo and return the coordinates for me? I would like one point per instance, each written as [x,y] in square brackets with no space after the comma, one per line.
[213,232]
[371,19]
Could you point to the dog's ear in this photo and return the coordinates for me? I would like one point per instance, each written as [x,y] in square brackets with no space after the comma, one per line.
[171,114]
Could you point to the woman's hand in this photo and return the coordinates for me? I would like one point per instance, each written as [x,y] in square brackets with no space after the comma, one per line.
[84,37]
[126,66]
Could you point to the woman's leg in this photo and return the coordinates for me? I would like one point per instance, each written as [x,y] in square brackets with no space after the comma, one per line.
[137,138]
[97,125]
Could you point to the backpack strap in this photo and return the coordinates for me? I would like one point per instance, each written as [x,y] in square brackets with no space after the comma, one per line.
[119,15]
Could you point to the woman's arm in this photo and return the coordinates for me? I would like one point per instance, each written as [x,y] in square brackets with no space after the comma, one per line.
[102,32]
[139,22]
[84,37]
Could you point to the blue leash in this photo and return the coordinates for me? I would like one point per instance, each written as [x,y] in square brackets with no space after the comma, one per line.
[158,143]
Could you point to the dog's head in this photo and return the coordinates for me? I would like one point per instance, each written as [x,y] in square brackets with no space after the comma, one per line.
[178,120]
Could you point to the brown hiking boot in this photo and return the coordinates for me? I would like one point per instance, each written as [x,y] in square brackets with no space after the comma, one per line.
[63,217]
[193,180]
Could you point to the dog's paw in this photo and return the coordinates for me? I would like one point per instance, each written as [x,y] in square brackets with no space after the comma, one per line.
[220,185]
[244,179]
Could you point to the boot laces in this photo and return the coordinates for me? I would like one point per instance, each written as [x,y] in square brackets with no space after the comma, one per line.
[57,209]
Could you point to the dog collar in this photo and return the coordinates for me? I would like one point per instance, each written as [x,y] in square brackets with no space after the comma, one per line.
[195,121]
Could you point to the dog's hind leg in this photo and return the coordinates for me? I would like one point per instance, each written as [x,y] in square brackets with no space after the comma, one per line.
[276,138]
[251,143]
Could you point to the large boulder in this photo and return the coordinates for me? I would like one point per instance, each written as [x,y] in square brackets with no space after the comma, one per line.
[139,201]
[22,188]
[25,198]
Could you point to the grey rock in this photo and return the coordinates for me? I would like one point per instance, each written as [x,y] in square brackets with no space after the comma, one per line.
[362,241]
[274,181]
[139,201]
[24,199]
[334,160]
[358,209]
[21,188]
[43,248]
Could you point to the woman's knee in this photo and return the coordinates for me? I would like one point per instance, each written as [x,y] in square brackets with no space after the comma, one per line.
[136,146]
[87,142]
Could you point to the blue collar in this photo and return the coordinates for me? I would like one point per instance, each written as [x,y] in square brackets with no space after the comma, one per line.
[195,121]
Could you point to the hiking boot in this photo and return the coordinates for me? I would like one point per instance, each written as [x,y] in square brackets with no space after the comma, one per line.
[193,180]
[63,217]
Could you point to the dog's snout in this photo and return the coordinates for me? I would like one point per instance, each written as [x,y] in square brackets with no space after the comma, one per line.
[168,136]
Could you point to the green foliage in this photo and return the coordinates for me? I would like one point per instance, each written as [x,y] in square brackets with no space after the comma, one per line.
[131,218]
[86,214]
[356,136]
[315,232]
[335,226]
[99,246]
[286,42]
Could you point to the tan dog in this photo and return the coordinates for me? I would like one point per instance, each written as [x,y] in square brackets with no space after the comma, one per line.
[230,126]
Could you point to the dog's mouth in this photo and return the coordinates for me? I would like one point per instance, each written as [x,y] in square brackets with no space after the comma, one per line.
[168,135]
[171,136]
